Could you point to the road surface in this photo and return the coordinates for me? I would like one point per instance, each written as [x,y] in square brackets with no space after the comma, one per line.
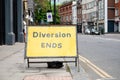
[102,56]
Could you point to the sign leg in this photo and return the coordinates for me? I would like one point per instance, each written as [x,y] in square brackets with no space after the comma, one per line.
[28,62]
[78,64]
[76,61]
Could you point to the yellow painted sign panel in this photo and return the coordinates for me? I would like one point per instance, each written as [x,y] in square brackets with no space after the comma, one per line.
[54,41]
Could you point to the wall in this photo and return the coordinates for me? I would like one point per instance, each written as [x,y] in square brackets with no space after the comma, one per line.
[2,22]
[11,22]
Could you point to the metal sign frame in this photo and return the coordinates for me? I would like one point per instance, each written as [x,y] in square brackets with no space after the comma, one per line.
[76,61]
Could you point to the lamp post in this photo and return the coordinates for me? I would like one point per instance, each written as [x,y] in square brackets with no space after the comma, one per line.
[54,11]
[50,4]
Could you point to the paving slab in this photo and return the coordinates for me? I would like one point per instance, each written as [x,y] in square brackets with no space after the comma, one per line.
[13,66]
[50,76]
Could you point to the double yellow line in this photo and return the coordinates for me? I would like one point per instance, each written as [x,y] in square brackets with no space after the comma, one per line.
[96,69]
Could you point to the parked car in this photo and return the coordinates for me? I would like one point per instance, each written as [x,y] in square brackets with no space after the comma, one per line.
[87,31]
[94,32]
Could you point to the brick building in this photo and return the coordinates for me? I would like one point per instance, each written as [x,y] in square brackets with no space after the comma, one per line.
[117,16]
[65,12]
[79,16]
[111,13]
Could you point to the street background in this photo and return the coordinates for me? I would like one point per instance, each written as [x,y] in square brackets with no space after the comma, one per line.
[103,51]
[13,65]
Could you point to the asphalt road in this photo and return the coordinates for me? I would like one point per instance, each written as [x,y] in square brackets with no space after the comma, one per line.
[103,53]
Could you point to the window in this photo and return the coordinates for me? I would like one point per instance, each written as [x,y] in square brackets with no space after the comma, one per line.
[83,16]
[116,1]
[70,17]
[77,11]
[78,20]
[66,18]
[80,11]
[101,4]
[101,14]
[116,12]
[93,4]
[61,18]
[84,6]
[67,8]
[90,5]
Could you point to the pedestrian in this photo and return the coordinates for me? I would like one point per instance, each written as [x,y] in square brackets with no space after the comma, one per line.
[31,20]
[24,30]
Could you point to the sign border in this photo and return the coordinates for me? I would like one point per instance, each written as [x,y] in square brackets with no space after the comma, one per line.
[76,57]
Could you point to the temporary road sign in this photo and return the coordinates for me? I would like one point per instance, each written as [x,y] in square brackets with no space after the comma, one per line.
[51,41]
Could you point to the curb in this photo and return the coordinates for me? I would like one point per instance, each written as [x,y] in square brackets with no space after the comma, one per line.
[68,69]
[81,75]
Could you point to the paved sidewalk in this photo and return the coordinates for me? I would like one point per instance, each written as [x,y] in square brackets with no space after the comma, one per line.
[111,36]
[8,50]
[14,67]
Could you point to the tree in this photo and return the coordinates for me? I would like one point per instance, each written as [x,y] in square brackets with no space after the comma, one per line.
[41,8]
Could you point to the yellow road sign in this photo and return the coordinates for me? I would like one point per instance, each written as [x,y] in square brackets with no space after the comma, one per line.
[55,41]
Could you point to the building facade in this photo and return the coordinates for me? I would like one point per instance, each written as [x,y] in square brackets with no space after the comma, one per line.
[101,15]
[74,12]
[79,16]
[111,12]
[89,14]
[98,14]
[65,12]
[117,16]
[11,22]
